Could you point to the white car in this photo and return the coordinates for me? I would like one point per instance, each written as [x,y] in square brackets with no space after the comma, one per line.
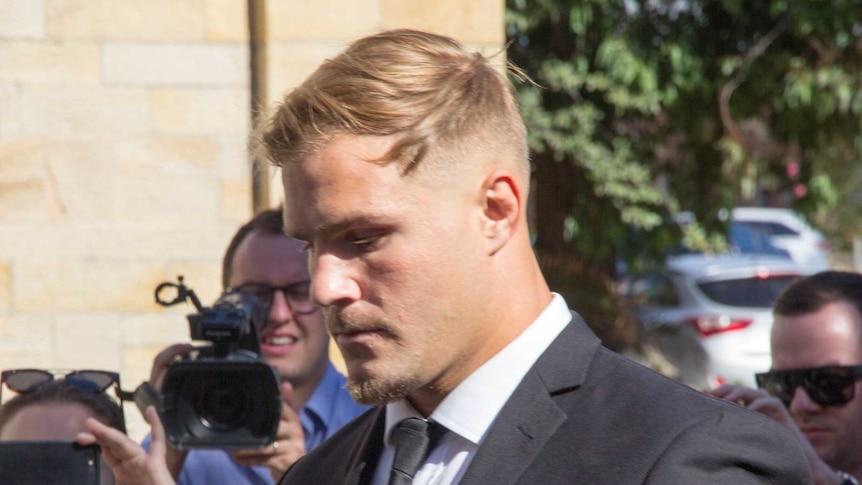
[789,231]
[726,298]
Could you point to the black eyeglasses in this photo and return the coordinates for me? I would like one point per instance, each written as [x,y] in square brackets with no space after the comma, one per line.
[826,386]
[297,295]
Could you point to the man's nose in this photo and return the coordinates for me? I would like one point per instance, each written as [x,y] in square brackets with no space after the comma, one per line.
[802,402]
[279,309]
[332,281]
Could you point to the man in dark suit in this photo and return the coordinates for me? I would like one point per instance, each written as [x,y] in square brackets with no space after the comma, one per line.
[405,168]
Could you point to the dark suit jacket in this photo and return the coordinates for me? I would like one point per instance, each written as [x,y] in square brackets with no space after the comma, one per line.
[586,415]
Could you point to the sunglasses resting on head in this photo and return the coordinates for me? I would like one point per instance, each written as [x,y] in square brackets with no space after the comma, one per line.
[826,386]
[25,381]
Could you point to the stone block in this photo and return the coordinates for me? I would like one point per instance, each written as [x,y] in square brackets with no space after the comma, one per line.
[173,240]
[125,20]
[227,20]
[25,199]
[175,64]
[322,19]
[22,19]
[61,111]
[5,289]
[193,156]
[79,173]
[21,158]
[49,62]
[54,179]
[234,157]
[155,198]
[289,63]
[87,341]
[211,111]
[75,287]
[236,203]
[177,240]
[26,359]
[10,115]
[476,22]
[45,243]
[25,333]
[156,330]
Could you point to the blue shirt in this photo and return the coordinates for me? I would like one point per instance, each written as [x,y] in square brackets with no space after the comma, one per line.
[329,408]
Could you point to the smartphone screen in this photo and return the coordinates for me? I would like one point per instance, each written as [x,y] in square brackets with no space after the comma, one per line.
[44,462]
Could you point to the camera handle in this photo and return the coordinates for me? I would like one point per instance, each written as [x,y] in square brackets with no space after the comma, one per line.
[145,396]
[183,293]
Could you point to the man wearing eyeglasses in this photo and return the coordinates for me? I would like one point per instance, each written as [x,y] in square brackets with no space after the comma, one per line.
[262,260]
[814,386]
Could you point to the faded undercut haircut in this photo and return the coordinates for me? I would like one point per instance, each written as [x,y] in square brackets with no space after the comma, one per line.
[436,100]
[810,294]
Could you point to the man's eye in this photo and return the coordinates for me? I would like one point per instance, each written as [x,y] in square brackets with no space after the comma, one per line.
[365,239]
[300,291]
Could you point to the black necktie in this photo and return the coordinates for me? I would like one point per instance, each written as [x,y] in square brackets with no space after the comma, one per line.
[414,438]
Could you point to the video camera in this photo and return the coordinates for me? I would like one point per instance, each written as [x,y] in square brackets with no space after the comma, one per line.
[224,395]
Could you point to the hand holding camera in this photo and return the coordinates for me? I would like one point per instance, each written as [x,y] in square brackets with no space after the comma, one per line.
[219,396]
[288,446]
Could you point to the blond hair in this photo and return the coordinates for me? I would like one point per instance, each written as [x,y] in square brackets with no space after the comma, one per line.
[422,89]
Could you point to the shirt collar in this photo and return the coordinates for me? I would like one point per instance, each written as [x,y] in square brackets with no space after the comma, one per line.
[320,404]
[472,406]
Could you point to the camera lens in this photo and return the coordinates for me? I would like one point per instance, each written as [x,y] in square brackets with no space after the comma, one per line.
[223,406]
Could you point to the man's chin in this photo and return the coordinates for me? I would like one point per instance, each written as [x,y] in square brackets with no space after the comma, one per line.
[376,392]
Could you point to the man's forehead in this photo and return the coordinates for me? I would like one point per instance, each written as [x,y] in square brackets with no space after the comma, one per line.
[289,225]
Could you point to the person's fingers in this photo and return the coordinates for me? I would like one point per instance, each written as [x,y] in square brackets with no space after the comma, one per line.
[723,390]
[158,445]
[287,394]
[85,438]
[739,394]
[290,424]
[774,408]
[163,359]
[116,446]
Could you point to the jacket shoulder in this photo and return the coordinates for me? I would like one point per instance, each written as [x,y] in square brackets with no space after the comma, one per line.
[335,459]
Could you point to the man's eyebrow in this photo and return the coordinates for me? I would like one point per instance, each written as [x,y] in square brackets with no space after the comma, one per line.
[340,225]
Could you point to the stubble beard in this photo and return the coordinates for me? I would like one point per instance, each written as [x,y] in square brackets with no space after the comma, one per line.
[394,384]
[376,392]
[390,378]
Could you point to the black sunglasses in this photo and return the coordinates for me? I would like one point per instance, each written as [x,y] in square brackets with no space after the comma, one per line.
[25,381]
[826,386]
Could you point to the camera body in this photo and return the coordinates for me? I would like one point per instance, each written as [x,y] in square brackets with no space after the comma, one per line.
[224,395]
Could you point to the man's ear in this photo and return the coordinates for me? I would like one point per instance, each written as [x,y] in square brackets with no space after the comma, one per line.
[502,206]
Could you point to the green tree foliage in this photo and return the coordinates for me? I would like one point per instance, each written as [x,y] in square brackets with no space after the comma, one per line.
[640,108]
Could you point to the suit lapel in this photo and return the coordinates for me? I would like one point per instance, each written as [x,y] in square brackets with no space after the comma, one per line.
[361,468]
[531,416]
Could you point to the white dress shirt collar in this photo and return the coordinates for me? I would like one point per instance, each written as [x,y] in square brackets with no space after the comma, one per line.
[473,405]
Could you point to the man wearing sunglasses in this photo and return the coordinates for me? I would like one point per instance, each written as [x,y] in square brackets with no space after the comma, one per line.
[815,385]
[262,260]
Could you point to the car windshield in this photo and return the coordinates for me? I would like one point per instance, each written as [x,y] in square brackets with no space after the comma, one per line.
[756,292]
